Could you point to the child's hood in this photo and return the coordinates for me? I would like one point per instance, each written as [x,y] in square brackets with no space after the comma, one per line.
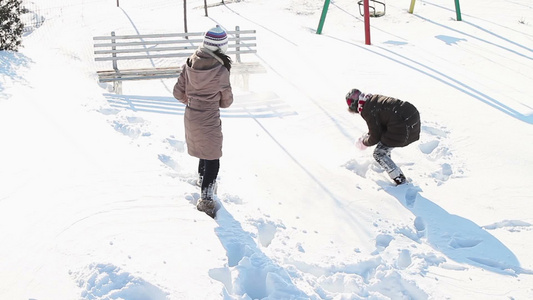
[204,71]
[204,79]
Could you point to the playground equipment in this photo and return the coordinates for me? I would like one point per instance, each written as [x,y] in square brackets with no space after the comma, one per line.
[365,4]
[365,14]
[457,9]
[372,4]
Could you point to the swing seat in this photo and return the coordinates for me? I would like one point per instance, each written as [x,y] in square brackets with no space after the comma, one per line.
[372,8]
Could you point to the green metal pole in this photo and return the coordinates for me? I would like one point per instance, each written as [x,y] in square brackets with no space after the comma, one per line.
[457,10]
[323,17]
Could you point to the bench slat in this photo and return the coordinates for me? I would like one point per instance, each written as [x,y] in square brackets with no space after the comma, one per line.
[161,49]
[139,74]
[165,42]
[162,35]
[154,56]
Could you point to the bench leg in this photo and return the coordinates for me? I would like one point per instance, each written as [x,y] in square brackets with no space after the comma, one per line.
[241,80]
[245,81]
[117,87]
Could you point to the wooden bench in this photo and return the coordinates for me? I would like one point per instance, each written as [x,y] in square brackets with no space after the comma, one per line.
[160,56]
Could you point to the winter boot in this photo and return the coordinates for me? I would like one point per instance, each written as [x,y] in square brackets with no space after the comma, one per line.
[207,206]
[207,202]
[400,179]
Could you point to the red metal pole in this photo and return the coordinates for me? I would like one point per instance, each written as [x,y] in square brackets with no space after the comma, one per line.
[367,21]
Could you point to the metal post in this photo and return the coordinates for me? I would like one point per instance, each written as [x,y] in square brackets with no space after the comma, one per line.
[412,7]
[323,17]
[367,21]
[457,10]
[118,5]
[205,8]
[185,17]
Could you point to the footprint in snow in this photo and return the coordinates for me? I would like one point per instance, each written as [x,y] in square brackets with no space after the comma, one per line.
[420,226]
[266,231]
[410,196]
[433,130]
[176,144]
[460,242]
[169,162]
[428,147]
[382,242]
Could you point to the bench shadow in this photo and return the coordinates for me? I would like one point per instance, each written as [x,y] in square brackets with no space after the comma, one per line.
[460,239]
[248,105]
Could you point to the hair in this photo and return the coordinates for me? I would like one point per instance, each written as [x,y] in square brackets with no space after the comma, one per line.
[225,58]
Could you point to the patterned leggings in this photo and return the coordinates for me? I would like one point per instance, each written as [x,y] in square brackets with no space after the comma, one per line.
[382,154]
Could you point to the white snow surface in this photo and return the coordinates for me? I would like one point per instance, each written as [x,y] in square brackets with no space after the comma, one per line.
[97,194]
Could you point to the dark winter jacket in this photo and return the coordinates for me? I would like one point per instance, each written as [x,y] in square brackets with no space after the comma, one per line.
[204,86]
[393,122]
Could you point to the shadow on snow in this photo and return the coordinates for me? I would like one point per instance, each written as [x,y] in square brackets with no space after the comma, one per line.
[249,105]
[458,238]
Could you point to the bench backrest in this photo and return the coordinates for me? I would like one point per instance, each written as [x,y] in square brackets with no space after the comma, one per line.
[170,45]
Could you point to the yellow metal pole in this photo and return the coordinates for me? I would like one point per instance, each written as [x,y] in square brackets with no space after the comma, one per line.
[412,7]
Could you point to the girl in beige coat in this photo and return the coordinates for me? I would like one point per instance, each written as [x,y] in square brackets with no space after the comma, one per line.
[204,87]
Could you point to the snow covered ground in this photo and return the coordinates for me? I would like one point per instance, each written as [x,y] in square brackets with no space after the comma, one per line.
[96,189]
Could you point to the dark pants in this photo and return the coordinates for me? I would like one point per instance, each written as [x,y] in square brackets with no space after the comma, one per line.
[208,171]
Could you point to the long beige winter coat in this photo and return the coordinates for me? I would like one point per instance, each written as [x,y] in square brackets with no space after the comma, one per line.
[203,86]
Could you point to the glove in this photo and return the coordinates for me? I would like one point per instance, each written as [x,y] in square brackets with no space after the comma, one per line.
[359,144]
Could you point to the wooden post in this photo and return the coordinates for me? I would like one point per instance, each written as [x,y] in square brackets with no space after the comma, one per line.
[113,47]
[117,85]
[366,10]
[118,5]
[237,42]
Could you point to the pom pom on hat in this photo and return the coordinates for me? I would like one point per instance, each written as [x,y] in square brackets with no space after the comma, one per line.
[216,38]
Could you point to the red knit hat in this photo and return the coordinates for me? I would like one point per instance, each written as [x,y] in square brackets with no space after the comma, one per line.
[356,100]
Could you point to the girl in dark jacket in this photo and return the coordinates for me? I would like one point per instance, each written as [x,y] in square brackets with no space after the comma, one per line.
[204,86]
[391,123]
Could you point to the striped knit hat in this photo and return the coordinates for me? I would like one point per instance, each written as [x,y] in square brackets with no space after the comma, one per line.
[216,38]
[356,100]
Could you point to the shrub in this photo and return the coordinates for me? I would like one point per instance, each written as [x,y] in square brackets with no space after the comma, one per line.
[11,26]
